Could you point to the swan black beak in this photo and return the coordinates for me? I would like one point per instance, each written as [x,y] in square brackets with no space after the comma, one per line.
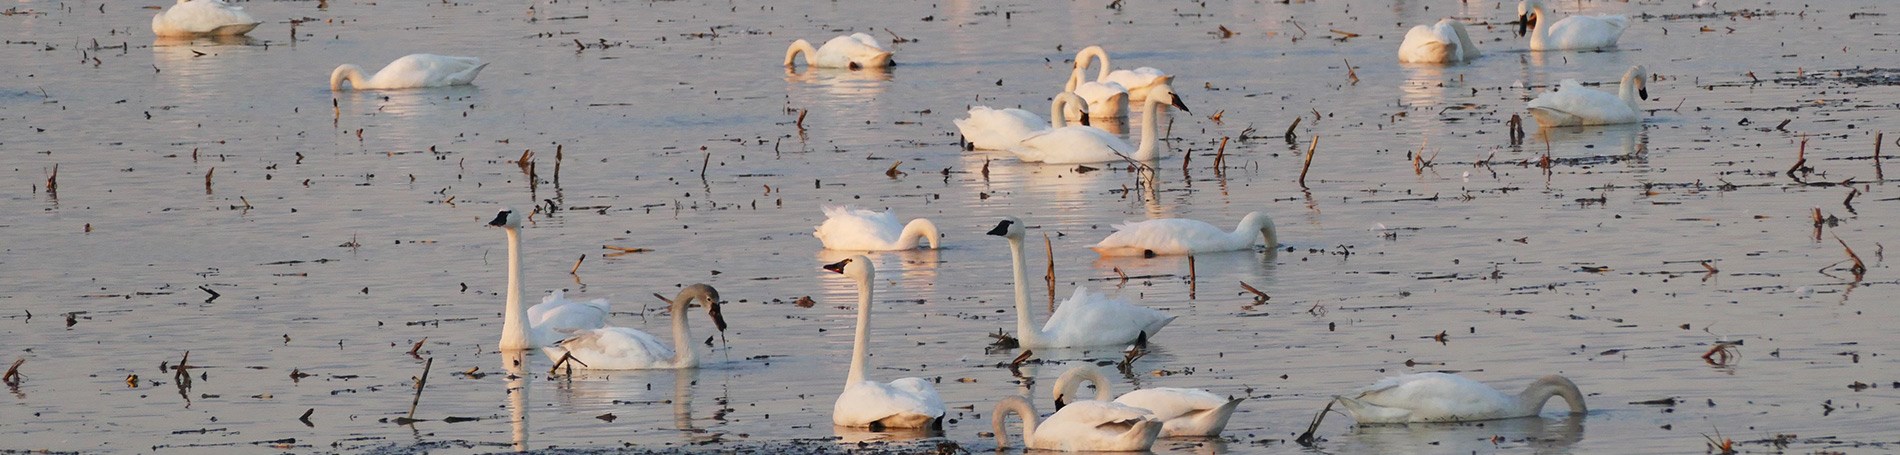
[1524,24]
[837,267]
[1643,92]
[501,219]
[1002,228]
[1085,119]
[1060,403]
[1180,105]
[719,320]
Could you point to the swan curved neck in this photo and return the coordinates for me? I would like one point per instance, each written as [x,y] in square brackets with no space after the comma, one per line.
[1466,50]
[918,228]
[1628,91]
[1531,401]
[683,352]
[1151,109]
[1258,223]
[1075,80]
[1026,333]
[1071,381]
[1541,31]
[1058,105]
[860,357]
[1095,52]
[798,47]
[348,72]
[1000,419]
[514,326]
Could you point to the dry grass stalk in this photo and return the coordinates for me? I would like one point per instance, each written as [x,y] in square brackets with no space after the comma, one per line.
[893,172]
[703,163]
[1309,161]
[1220,156]
[1879,137]
[1258,296]
[1350,74]
[420,383]
[208,174]
[1859,268]
[623,250]
[577,265]
[12,377]
[1049,249]
[413,350]
[52,181]
[801,120]
[1225,33]
[1721,353]
[1290,136]
[1801,157]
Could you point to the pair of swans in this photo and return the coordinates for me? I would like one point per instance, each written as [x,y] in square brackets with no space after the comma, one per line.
[1571,33]
[1441,397]
[856,229]
[1092,426]
[410,71]
[1181,236]
[560,325]
[854,51]
[1183,412]
[906,403]
[1086,319]
[1086,144]
[1444,42]
[1574,105]
[1000,129]
[190,18]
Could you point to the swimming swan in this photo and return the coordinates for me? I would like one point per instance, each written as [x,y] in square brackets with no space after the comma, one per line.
[1441,397]
[855,229]
[626,348]
[1574,105]
[1444,42]
[1083,144]
[1183,412]
[1094,426]
[1178,236]
[1138,82]
[1086,319]
[1571,33]
[411,71]
[1106,99]
[903,403]
[201,18]
[524,328]
[853,51]
[1000,129]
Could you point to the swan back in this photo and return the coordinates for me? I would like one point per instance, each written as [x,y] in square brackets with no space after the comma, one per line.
[1441,397]
[1444,42]
[997,129]
[854,51]
[1574,32]
[1091,319]
[1092,425]
[1466,49]
[1573,104]
[203,17]
[412,71]
[855,229]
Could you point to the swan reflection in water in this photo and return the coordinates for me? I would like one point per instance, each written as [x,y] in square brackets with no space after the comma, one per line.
[1538,433]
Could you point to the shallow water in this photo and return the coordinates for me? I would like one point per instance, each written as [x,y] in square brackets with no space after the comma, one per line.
[336,239]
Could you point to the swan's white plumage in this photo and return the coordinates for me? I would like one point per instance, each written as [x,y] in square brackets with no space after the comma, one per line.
[1443,42]
[1571,33]
[1574,105]
[1106,99]
[1084,144]
[1441,397]
[624,348]
[556,315]
[547,322]
[1083,426]
[1086,319]
[202,18]
[864,403]
[856,229]
[854,51]
[1181,236]
[411,71]
[1137,82]
[1000,129]
[1184,412]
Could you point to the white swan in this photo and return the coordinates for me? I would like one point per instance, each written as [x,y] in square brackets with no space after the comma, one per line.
[1106,99]
[1086,319]
[855,229]
[1444,42]
[1083,144]
[853,51]
[1574,105]
[201,18]
[999,129]
[1179,236]
[626,348]
[411,71]
[1138,82]
[1571,33]
[1441,397]
[524,328]
[1092,426]
[903,403]
[1183,412]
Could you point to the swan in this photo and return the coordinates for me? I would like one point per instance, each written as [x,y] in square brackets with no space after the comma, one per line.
[1441,397]
[203,17]
[998,129]
[411,71]
[1574,105]
[1094,426]
[1571,33]
[524,328]
[1106,99]
[626,348]
[1444,42]
[1183,412]
[1083,144]
[903,403]
[855,229]
[853,51]
[1178,236]
[1086,319]
[1138,82]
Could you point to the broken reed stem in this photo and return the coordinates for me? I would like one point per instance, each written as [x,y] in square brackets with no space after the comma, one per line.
[1050,276]
[801,119]
[418,347]
[13,372]
[208,174]
[702,165]
[1859,268]
[1878,174]
[420,383]
[52,181]
[1350,74]
[1220,156]
[1194,278]
[1310,150]
[1800,157]
[577,265]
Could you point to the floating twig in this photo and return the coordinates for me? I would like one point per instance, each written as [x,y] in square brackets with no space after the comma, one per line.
[1307,439]
[414,350]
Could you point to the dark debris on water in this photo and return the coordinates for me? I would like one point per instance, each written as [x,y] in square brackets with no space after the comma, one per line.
[795,446]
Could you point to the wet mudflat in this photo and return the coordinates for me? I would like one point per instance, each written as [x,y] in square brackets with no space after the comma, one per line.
[207,196]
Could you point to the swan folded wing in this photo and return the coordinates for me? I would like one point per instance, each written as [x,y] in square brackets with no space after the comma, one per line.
[1167,236]
[1102,418]
[1071,145]
[1588,32]
[556,312]
[1096,92]
[1166,403]
[1429,44]
[850,228]
[207,16]
[616,348]
[428,70]
[1433,397]
[903,404]
[1589,107]
[1138,79]
[1090,319]
[854,48]
[997,129]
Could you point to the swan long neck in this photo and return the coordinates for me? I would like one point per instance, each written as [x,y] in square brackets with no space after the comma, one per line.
[1075,79]
[514,326]
[1151,109]
[1026,332]
[798,47]
[1072,380]
[1095,52]
[1531,401]
[683,352]
[348,72]
[1058,107]
[1632,84]
[1540,32]
[860,346]
[918,228]
[999,419]
[1258,223]
[1466,50]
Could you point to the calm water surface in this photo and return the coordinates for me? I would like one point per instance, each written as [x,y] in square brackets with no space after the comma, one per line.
[337,239]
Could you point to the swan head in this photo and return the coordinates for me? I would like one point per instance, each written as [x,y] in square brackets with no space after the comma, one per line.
[507,218]
[1010,228]
[858,267]
[1259,221]
[1528,13]
[1071,381]
[1166,94]
[1640,76]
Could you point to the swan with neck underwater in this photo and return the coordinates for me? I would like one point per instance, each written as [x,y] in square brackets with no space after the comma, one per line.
[1084,144]
[1179,236]
[1084,426]
[1183,412]
[203,18]
[1574,105]
[626,348]
[1086,319]
[1442,397]
[411,71]
[1138,82]
[542,325]
[855,229]
[1571,33]
[904,403]
[1000,129]
[1444,42]
[854,51]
